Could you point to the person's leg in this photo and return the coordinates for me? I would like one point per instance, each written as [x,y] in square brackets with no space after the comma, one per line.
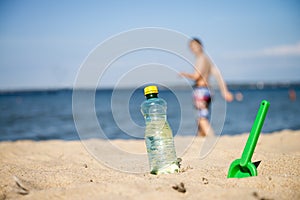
[202,100]
[200,132]
[204,128]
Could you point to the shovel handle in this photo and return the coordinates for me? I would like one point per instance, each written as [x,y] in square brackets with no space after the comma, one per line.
[255,132]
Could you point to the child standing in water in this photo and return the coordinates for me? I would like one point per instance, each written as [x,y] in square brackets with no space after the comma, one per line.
[204,68]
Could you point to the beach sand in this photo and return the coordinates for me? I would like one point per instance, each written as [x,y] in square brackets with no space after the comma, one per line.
[65,170]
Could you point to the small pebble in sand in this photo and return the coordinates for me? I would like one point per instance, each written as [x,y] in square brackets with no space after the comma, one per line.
[179,188]
[21,188]
[255,194]
[185,169]
[204,180]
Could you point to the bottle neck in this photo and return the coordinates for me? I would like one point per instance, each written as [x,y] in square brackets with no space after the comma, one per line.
[151,95]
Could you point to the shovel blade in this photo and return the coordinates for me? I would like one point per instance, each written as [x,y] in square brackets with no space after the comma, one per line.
[236,170]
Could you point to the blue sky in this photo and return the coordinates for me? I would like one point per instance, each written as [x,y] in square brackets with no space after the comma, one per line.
[43,43]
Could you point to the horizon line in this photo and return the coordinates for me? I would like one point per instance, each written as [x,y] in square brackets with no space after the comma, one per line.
[231,85]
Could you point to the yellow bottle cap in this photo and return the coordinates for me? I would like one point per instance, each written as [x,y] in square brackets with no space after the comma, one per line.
[150,90]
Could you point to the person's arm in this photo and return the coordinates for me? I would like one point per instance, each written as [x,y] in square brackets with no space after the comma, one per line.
[191,76]
[197,73]
[223,87]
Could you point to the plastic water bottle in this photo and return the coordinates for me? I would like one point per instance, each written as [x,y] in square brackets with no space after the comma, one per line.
[158,134]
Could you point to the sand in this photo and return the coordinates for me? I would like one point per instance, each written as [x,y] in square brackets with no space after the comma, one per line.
[66,170]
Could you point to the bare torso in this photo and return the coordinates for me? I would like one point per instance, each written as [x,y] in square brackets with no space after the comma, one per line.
[203,68]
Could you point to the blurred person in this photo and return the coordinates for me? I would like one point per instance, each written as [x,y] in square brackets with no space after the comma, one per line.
[292,95]
[204,68]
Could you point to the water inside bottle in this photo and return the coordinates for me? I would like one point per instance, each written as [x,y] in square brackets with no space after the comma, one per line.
[160,148]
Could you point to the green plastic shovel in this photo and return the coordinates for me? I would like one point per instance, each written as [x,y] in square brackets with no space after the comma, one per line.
[243,167]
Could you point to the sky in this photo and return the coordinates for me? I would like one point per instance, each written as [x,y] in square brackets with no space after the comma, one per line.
[43,44]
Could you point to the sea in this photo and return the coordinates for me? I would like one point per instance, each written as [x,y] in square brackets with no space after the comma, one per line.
[115,114]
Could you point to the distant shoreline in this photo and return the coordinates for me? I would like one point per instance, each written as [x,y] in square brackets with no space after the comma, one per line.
[231,86]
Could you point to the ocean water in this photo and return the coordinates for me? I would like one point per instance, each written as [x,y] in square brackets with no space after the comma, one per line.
[44,115]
